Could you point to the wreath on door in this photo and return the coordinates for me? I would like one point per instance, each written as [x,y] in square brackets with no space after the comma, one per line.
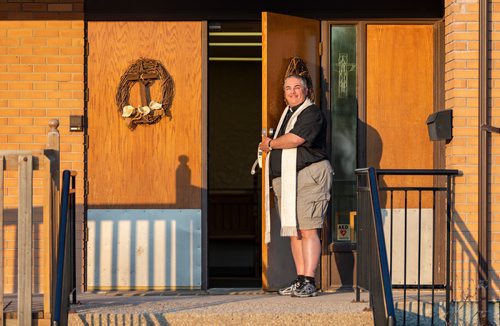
[146,72]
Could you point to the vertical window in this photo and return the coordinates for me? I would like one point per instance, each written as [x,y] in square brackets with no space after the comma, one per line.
[344,120]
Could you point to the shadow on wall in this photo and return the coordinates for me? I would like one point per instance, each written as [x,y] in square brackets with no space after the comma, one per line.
[10,253]
[145,247]
[465,262]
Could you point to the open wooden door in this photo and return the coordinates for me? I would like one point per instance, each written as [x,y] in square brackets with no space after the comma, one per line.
[283,37]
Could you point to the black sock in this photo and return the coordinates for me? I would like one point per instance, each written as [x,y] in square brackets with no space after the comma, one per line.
[301,278]
[310,279]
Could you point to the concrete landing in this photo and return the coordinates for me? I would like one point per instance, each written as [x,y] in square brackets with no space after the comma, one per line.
[218,307]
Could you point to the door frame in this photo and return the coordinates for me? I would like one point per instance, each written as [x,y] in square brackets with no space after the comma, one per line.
[329,272]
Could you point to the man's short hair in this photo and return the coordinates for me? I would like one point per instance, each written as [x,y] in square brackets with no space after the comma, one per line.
[302,79]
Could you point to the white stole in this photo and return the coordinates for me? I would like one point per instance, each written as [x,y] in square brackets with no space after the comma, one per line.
[288,208]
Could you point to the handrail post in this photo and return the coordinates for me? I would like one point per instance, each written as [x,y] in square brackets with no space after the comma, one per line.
[73,235]
[65,275]
[50,213]
[24,231]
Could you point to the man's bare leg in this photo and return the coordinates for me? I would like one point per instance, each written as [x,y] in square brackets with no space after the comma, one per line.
[311,251]
[297,253]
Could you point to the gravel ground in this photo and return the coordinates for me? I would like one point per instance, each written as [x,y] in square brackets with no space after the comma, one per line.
[220,308]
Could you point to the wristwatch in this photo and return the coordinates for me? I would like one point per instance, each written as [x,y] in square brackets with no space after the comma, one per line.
[269,145]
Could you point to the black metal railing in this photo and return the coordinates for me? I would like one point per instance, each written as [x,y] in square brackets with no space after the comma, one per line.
[409,213]
[66,263]
[372,265]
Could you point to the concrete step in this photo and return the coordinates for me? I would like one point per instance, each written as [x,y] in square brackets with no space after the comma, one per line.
[241,308]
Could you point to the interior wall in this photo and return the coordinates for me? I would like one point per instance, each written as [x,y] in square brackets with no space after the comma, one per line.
[234,123]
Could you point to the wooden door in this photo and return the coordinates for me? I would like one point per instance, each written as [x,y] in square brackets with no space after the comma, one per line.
[283,37]
[400,88]
[145,185]
[399,95]
[138,168]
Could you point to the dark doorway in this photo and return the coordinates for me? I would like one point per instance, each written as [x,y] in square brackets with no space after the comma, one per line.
[234,124]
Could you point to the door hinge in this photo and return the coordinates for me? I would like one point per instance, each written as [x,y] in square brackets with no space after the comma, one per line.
[85,233]
[87,48]
[320,48]
[86,95]
[86,141]
[87,187]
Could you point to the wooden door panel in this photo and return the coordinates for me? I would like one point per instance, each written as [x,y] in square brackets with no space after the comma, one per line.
[153,166]
[283,37]
[399,98]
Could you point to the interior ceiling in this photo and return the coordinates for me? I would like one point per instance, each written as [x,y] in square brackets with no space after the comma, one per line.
[231,9]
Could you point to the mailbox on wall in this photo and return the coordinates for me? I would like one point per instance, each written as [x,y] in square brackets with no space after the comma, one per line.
[439,125]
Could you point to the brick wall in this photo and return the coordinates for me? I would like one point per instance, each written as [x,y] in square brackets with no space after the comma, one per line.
[462,95]
[495,150]
[41,78]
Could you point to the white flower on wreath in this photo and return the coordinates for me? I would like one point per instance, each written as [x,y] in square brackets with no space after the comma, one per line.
[128,110]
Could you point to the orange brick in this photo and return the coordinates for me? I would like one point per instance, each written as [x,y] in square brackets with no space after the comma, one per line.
[59,25]
[32,59]
[71,103]
[46,86]
[59,60]
[46,68]
[33,95]
[46,33]
[20,86]
[20,50]
[10,94]
[71,51]
[9,60]
[21,103]
[59,42]
[72,33]
[34,41]
[20,68]
[45,103]
[59,94]
[20,138]
[71,68]
[72,86]
[59,77]
[45,50]
[9,130]
[33,77]
[9,41]
[21,121]
[33,112]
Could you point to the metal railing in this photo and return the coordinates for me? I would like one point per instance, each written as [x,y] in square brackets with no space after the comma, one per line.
[419,209]
[66,264]
[372,266]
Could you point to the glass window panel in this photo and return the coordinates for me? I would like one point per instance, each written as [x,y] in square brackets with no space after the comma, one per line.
[344,120]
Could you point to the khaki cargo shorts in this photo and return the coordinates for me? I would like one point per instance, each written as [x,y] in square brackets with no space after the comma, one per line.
[313,194]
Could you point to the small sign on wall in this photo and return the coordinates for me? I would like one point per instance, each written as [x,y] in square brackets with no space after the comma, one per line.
[343,232]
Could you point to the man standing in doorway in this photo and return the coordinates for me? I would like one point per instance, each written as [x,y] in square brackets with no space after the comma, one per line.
[301,179]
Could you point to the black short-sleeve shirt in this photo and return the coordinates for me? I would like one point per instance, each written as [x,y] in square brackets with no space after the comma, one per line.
[311,126]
